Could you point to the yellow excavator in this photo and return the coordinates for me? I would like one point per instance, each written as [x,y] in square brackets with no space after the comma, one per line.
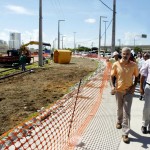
[26,51]
[13,55]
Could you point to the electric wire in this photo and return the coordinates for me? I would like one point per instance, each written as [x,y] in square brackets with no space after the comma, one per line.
[106,5]
[58,8]
[97,38]
[62,12]
[107,28]
[55,8]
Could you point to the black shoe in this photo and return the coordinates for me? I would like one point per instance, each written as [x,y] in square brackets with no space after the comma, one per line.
[141,97]
[144,130]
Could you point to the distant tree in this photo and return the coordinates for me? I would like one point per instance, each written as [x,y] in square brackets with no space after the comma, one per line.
[69,49]
[118,49]
[82,48]
[137,49]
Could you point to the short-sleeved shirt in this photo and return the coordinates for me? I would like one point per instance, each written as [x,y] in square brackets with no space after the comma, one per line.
[124,74]
[22,59]
[112,60]
[145,70]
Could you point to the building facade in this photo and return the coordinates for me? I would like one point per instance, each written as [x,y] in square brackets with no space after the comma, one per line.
[14,40]
[3,46]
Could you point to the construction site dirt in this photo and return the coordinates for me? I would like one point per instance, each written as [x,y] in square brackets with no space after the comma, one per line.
[21,96]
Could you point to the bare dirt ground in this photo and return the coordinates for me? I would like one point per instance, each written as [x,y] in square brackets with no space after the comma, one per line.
[22,95]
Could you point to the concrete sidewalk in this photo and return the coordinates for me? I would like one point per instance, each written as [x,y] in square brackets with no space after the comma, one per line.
[101,133]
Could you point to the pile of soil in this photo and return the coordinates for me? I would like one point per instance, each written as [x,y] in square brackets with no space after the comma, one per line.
[23,95]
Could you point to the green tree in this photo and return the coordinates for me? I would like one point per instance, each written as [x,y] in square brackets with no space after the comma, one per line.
[137,49]
[118,49]
[82,48]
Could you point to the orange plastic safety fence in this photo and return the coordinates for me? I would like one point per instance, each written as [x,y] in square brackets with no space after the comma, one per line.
[49,131]
[76,136]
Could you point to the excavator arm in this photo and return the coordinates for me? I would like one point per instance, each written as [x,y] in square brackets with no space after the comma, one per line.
[36,43]
[24,48]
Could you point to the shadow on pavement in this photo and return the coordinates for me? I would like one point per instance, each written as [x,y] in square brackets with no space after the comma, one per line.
[145,141]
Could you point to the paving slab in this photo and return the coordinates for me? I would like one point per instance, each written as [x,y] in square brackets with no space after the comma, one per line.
[101,133]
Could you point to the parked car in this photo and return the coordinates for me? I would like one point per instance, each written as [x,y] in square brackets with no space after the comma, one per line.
[107,54]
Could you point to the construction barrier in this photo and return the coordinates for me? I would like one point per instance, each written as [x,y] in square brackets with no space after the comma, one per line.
[61,126]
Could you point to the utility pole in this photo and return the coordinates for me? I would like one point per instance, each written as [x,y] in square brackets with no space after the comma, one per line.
[12,34]
[59,34]
[92,45]
[105,36]
[62,41]
[119,40]
[40,35]
[100,34]
[74,40]
[113,26]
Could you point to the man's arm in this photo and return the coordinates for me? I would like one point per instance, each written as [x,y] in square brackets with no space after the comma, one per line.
[132,88]
[135,81]
[112,79]
[142,80]
[112,83]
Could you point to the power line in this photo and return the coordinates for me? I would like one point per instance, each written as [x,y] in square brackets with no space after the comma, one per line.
[107,28]
[96,38]
[61,10]
[87,40]
[58,8]
[55,7]
[106,5]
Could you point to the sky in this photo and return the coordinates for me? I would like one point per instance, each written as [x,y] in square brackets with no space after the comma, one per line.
[81,23]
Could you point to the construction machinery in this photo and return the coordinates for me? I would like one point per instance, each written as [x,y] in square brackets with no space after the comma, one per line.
[13,55]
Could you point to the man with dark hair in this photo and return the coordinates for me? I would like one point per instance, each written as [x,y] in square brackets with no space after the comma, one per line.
[23,62]
[145,76]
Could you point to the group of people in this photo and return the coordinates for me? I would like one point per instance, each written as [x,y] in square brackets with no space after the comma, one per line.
[126,72]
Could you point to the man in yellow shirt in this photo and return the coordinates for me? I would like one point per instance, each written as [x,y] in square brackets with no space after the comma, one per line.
[125,71]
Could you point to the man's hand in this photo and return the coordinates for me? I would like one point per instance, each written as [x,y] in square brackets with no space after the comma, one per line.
[142,91]
[113,90]
[131,89]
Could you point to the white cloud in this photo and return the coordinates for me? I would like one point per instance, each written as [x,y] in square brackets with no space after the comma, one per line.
[18,10]
[90,20]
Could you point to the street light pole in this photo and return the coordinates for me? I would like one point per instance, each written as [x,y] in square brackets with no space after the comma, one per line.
[62,41]
[74,40]
[119,40]
[40,35]
[100,34]
[105,36]
[113,27]
[13,40]
[59,34]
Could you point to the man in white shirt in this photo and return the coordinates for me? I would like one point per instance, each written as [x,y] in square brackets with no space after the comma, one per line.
[145,75]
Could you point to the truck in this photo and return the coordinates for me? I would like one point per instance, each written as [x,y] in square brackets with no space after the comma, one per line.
[14,55]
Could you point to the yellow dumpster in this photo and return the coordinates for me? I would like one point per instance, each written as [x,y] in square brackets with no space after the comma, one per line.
[62,56]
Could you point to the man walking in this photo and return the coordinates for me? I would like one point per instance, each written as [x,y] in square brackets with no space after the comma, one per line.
[23,62]
[145,76]
[125,71]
